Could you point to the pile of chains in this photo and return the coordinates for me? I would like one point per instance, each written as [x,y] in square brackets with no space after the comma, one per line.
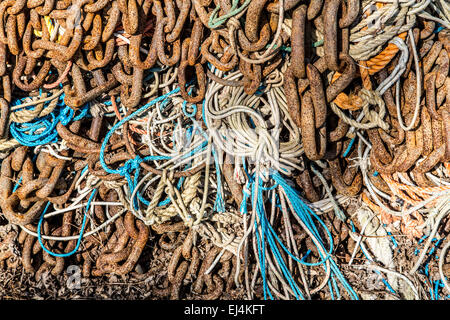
[261,145]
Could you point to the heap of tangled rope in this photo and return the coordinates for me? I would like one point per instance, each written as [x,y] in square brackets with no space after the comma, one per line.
[249,140]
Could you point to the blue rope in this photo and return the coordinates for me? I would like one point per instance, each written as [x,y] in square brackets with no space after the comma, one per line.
[193,106]
[331,290]
[132,164]
[120,123]
[388,286]
[349,147]
[436,288]
[265,233]
[269,235]
[219,203]
[305,213]
[336,288]
[262,264]
[24,133]
[393,239]
[63,255]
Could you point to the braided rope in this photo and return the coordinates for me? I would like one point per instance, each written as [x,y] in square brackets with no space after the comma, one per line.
[6,144]
[365,75]
[161,215]
[23,116]
[158,193]
[381,60]
[114,184]
[373,45]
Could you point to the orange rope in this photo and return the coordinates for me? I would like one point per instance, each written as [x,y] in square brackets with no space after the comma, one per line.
[406,195]
[351,102]
[367,68]
[409,223]
[344,101]
[365,75]
[385,217]
[415,189]
[381,60]
[413,194]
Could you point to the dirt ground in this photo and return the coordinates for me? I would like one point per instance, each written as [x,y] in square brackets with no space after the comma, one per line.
[150,276]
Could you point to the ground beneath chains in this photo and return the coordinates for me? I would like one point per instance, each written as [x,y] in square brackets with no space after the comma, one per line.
[151,273]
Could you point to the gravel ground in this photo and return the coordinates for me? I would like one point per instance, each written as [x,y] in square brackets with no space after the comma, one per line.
[151,273]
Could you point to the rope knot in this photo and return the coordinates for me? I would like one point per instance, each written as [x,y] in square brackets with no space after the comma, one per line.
[371,97]
[233,22]
[130,165]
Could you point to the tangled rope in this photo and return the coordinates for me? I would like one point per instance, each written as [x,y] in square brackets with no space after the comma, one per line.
[260,147]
